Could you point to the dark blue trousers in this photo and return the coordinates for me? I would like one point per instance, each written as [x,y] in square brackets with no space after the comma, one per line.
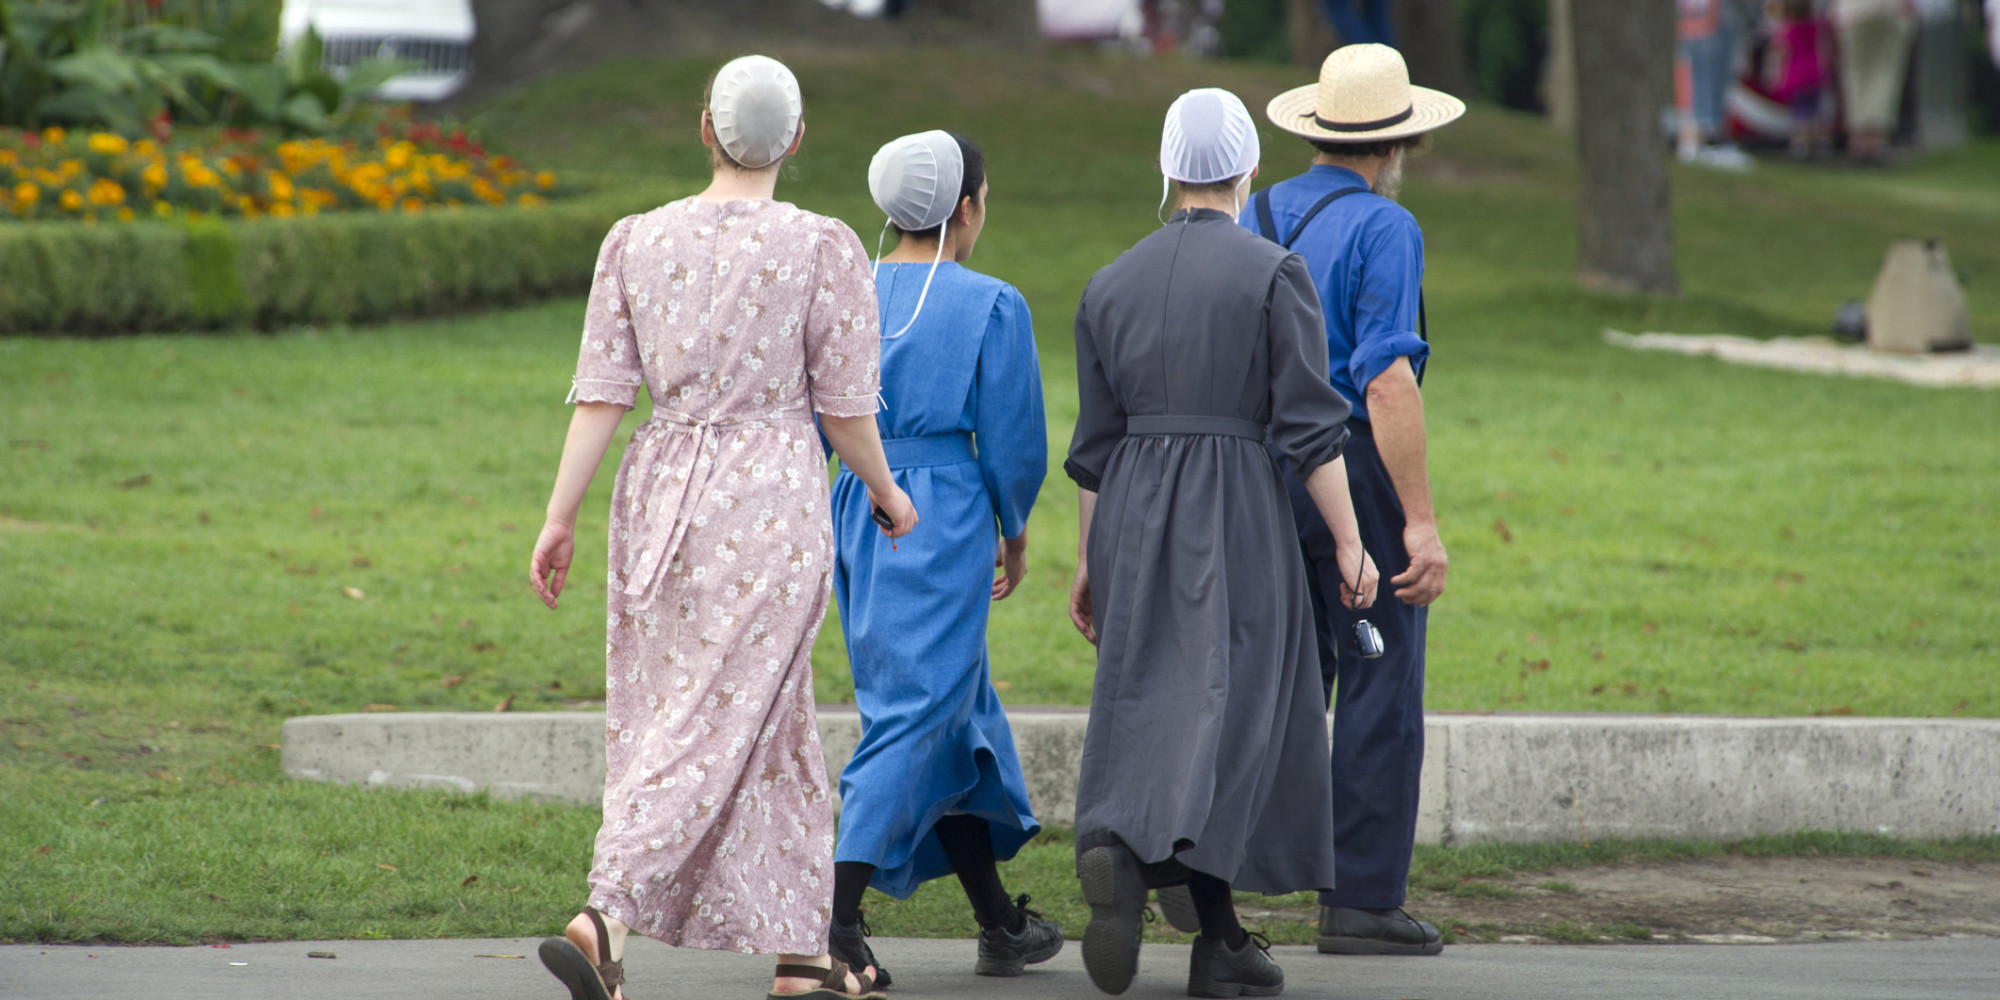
[1378,705]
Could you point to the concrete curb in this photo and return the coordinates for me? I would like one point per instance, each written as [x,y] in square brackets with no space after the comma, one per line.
[1489,777]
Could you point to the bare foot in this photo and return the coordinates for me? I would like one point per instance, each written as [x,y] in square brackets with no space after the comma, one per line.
[793,984]
[581,933]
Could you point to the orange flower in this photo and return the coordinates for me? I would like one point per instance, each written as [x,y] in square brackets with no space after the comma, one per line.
[26,193]
[545,180]
[70,200]
[106,191]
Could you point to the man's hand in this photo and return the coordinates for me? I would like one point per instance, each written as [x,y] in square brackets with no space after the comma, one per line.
[1424,580]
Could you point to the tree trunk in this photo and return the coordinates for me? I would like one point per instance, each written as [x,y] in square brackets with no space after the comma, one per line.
[1559,70]
[1624,71]
[1427,33]
[1312,38]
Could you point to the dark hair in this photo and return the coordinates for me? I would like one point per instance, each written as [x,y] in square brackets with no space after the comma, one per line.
[975,178]
[1367,150]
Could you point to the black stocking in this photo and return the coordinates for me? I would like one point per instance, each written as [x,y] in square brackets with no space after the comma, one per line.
[968,843]
[850,880]
[1216,909]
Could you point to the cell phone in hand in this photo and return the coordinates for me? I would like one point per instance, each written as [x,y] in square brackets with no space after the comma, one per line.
[881,517]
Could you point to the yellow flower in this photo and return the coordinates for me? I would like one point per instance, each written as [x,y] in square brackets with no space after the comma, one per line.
[282,187]
[413,205]
[531,200]
[399,155]
[162,209]
[71,168]
[108,144]
[26,193]
[70,200]
[106,191]
[125,214]
[545,180]
[155,175]
[145,147]
[53,134]
[283,210]
[9,157]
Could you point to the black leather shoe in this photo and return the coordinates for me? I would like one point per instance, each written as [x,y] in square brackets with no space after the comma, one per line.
[1009,953]
[1217,970]
[1347,931]
[849,943]
[1117,897]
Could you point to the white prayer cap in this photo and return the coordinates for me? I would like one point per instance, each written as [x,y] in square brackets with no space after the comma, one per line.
[916,179]
[1209,137]
[755,107]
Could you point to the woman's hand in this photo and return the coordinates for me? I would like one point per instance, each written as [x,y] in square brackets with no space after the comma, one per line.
[550,564]
[896,504]
[1012,561]
[1080,613]
[1356,566]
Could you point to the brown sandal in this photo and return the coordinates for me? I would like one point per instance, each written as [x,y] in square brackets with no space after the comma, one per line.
[832,988]
[585,979]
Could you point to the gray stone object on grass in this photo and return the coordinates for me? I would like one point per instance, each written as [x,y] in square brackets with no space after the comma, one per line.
[1488,777]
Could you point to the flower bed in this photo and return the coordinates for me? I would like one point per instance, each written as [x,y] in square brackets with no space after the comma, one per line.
[405,167]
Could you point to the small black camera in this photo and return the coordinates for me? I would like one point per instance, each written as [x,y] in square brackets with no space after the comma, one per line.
[1368,639]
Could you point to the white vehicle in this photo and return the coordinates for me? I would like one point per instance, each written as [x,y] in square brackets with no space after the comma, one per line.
[434,34]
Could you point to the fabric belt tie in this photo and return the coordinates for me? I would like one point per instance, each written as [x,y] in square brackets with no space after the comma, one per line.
[1181,423]
[929,449]
[667,494]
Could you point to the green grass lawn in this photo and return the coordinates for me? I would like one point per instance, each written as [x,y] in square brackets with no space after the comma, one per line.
[203,535]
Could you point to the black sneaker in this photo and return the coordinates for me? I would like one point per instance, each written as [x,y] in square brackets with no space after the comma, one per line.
[1009,953]
[849,943]
[1217,970]
[1117,897]
[1347,931]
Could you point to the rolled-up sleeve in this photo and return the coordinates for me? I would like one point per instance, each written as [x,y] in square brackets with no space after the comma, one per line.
[842,337]
[1386,305]
[1100,422]
[608,368]
[1308,416]
[1013,438]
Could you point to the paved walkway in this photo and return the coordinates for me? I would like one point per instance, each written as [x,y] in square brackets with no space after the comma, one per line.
[925,969]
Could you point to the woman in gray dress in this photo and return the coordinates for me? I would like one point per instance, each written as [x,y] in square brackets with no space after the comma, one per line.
[1205,758]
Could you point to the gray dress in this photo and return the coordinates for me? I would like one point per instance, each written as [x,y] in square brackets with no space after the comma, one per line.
[1207,743]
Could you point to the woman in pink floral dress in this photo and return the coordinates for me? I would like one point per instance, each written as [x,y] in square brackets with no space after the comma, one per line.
[743,317]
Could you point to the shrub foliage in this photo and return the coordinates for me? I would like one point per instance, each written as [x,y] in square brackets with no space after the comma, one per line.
[191,273]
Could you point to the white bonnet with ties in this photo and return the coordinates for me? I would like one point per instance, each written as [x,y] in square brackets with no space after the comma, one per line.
[1209,137]
[916,179]
[755,108]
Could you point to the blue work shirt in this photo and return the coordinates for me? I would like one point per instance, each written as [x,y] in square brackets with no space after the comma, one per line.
[1366,257]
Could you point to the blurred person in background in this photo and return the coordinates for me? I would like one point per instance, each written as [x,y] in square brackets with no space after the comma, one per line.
[935,788]
[1800,57]
[1711,32]
[1875,41]
[743,317]
[1362,21]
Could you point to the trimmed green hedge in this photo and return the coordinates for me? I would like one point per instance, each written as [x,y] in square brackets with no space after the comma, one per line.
[70,277]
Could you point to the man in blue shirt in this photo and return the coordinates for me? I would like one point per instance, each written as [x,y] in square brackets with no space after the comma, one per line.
[1366,256]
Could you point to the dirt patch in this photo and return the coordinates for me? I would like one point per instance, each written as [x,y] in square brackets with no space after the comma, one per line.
[1733,899]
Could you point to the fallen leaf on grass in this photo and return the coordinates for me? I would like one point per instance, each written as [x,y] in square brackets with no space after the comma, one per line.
[469,879]
[469,501]
[379,708]
[362,562]
[202,516]
[1836,710]
[1561,456]
[1959,709]
[1794,645]
[295,610]
[136,481]
[1002,685]
[387,868]
[505,704]
[1500,528]
[160,775]
[483,647]
[355,592]
[1650,627]
[218,899]
[270,746]
[44,849]
[453,681]
[315,513]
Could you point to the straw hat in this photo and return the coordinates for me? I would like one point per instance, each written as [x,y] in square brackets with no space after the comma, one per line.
[1363,95]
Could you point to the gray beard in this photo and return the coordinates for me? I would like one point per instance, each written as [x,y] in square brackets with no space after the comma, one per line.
[1389,180]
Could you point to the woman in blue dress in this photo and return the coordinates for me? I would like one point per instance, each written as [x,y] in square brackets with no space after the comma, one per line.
[935,787]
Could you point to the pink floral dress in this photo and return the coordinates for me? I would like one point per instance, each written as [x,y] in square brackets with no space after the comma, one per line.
[741,319]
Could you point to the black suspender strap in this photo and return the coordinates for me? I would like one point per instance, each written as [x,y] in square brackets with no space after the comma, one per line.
[1268,228]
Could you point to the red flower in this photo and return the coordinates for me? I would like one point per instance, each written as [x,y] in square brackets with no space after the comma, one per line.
[30,139]
[162,125]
